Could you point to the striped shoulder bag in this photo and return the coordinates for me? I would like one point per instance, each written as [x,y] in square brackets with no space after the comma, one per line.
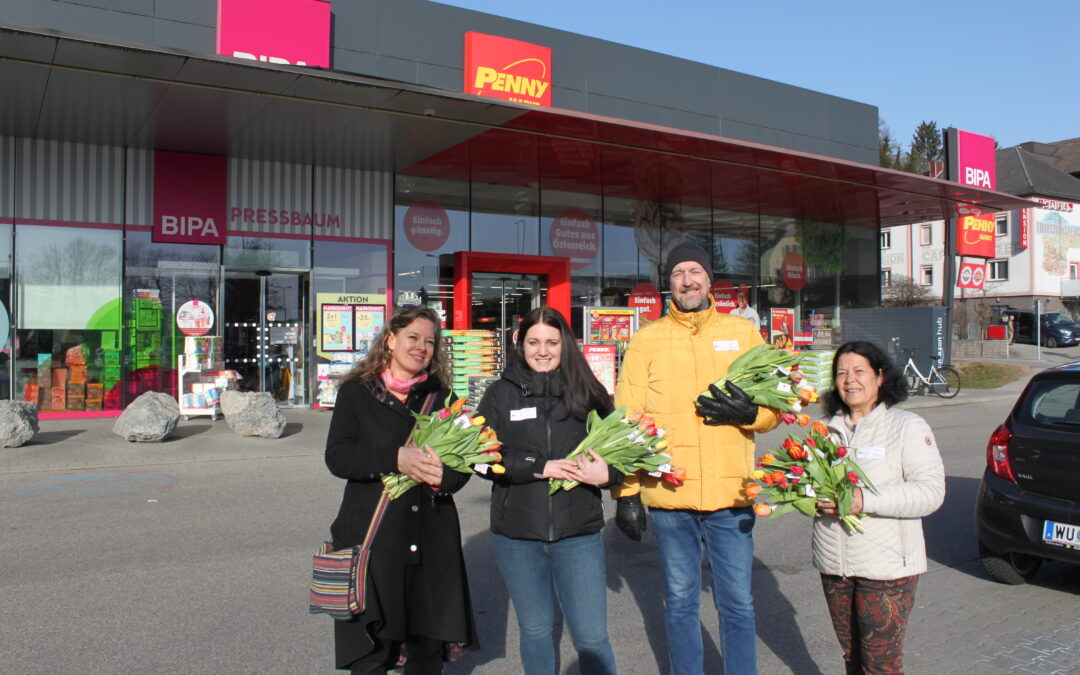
[338,577]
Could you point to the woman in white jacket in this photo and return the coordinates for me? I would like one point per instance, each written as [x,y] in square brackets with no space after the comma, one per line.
[869,578]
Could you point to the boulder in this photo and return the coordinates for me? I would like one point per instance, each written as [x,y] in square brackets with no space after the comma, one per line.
[150,418]
[250,413]
[18,422]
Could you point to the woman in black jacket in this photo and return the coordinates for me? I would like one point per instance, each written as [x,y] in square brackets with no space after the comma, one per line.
[417,592]
[550,545]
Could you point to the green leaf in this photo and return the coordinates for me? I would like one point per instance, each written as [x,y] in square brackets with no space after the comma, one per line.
[808,505]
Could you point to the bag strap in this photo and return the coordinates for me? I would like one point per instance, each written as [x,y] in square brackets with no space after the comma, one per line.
[384,498]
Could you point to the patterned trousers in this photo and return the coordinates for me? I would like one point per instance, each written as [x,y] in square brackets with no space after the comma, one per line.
[870,616]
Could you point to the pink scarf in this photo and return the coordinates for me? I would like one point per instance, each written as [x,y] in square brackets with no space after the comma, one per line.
[399,386]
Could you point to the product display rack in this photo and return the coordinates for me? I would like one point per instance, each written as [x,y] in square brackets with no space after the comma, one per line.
[475,358]
[202,378]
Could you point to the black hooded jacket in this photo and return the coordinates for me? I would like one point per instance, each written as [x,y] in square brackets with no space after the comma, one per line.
[527,411]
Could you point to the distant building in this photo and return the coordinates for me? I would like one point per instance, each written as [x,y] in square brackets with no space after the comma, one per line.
[1037,252]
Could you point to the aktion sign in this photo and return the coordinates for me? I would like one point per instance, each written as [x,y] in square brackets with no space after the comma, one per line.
[647,297]
[507,69]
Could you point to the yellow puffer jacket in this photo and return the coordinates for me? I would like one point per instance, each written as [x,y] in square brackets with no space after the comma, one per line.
[667,365]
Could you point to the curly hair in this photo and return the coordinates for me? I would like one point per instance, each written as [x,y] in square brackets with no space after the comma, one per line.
[378,357]
[893,387]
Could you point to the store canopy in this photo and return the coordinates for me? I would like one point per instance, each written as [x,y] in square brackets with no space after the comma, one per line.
[65,87]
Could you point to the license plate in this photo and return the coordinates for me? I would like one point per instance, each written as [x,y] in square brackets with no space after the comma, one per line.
[1062,534]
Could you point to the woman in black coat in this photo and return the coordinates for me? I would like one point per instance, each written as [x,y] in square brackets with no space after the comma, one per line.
[417,591]
[546,545]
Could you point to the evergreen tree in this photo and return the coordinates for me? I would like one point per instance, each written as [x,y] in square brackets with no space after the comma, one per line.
[925,147]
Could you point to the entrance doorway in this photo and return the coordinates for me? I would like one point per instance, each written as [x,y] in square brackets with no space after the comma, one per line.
[501,301]
[264,331]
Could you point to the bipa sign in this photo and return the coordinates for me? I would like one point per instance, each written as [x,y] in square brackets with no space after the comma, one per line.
[287,32]
[190,195]
[507,69]
[975,158]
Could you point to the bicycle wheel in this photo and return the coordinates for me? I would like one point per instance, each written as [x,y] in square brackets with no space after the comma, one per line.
[913,384]
[946,382]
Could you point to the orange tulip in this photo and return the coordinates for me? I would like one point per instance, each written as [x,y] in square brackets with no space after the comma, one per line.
[819,428]
[753,490]
[762,509]
[803,420]
[767,458]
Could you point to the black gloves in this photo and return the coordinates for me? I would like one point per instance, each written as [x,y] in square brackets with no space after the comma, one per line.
[630,516]
[735,408]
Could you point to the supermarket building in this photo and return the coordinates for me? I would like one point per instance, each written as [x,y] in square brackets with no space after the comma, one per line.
[281,174]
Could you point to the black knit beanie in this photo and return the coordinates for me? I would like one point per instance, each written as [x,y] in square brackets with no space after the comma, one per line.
[685,251]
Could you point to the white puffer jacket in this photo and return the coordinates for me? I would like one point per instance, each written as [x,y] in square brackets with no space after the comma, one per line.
[897,452]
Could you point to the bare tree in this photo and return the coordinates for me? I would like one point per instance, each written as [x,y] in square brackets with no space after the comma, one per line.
[903,291]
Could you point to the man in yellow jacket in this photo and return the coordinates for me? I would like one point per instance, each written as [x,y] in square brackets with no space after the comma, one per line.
[668,364]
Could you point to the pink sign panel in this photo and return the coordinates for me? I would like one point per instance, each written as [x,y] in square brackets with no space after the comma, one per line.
[976,160]
[190,196]
[427,226]
[287,32]
[574,235]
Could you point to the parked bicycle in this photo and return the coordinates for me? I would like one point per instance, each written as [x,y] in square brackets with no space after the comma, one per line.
[941,380]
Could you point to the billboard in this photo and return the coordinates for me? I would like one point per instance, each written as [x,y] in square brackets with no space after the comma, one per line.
[286,32]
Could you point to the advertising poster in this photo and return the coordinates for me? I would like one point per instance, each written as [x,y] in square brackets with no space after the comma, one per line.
[369,321]
[601,359]
[611,324]
[782,327]
[337,328]
[194,318]
[647,297]
[349,301]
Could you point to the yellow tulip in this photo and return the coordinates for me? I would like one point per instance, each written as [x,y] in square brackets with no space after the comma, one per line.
[498,468]
[478,421]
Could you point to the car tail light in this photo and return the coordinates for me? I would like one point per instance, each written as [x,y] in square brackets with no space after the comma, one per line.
[997,454]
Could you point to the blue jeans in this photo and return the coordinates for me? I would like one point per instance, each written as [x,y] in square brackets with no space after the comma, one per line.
[729,545]
[573,570]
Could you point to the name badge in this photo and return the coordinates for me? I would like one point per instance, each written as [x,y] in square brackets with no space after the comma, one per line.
[725,345]
[523,414]
[870,453]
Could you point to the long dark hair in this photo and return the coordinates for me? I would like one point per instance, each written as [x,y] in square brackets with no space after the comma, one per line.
[893,387]
[583,392]
[378,357]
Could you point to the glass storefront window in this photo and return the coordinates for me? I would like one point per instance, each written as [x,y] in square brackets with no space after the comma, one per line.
[504,219]
[570,227]
[268,252]
[68,314]
[431,223]
[158,280]
[350,267]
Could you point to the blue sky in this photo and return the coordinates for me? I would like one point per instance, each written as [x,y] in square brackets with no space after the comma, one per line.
[997,67]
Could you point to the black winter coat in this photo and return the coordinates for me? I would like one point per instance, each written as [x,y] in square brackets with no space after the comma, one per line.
[416,575]
[527,412]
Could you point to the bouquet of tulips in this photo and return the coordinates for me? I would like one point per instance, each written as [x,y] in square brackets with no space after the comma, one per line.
[771,377]
[461,441]
[627,443]
[804,471]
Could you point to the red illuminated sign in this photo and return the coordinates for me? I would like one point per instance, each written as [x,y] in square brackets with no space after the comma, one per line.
[724,295]
[972,275]
[647,297]
[507,69]
[975,236]
[288,32]
[1025,227]
[793,271]
[427,227]
[574,235]
[190,196]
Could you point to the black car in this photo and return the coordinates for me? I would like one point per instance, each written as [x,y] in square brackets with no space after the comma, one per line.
[1028,507]
[1055,330]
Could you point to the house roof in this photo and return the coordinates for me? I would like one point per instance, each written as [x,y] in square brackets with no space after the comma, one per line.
[1022,173]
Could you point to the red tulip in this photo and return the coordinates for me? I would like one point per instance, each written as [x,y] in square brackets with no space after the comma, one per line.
[797,470]
[841,451]
[853,478]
